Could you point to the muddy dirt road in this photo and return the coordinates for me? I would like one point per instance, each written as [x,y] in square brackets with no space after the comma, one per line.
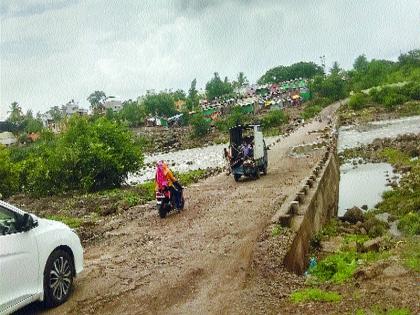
[196,261]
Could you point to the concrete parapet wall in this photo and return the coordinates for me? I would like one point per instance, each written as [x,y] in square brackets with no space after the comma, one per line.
[310,208]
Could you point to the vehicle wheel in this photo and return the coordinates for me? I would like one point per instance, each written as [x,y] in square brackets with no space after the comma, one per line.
[257,173]
[182,203]
[236,177]
[58,278]
[162,211]
[265,170]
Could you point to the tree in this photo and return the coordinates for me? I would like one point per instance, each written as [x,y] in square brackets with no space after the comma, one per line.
[335,70]
[159,104]
[333,86]
[192,100]
[278,74]
[200,125]
[217,88]
[96,100]
[412,58]
[361,63]
[16,115]
[55,113]
[179,95]
[133,113]
[242,80]
[88,156]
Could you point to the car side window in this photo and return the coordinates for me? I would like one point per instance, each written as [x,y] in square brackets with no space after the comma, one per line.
[8,221]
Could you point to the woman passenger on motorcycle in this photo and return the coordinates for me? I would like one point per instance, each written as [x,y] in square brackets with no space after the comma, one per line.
[165,178]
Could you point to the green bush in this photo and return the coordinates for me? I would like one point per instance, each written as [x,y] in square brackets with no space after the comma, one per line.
[314,107]
[274,118]
[410,223]
[9,174]
[88,156]
[200,125]
[314,294]
[336,268]
[358,101]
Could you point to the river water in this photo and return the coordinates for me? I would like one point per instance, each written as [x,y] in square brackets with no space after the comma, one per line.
[185,160]
[363,184]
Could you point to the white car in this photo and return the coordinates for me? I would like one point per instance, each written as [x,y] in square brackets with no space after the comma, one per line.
[38,259]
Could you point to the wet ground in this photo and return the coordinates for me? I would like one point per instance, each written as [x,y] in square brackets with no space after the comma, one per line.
[200,261]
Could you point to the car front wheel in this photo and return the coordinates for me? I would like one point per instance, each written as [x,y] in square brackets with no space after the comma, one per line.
[58,278]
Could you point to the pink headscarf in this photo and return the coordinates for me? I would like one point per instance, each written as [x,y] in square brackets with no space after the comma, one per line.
[160,174]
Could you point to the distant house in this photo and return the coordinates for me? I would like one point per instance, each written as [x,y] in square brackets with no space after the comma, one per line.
[113,104]
[72,107]
[7,138]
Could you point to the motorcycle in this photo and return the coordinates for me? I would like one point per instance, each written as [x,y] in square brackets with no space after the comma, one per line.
[165,201]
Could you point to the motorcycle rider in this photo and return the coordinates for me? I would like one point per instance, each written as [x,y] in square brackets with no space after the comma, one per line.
[165,178]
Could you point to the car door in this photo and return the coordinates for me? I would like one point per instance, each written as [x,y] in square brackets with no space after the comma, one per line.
[18,261]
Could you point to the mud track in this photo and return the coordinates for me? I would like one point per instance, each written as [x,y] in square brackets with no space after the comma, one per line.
[196,261]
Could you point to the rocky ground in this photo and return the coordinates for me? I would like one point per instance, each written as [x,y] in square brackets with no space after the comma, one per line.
[202,260]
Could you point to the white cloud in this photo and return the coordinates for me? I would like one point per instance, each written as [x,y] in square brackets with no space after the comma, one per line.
[53,53]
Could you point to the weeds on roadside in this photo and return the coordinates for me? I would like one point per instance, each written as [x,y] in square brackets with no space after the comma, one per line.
[276,230]
[314,294]
[72,222]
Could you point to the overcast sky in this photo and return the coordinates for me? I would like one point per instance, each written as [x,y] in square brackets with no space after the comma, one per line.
[54,51]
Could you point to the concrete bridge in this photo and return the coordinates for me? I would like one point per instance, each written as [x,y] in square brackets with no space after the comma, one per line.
[232,249]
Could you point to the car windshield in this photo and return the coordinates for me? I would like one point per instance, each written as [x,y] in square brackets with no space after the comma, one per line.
[8,221]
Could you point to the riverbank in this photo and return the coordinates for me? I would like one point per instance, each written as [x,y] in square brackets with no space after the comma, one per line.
[367,262]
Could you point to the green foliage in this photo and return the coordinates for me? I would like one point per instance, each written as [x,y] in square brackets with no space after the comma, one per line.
[358,101]
[273,118]
[72,222]
[333,86]
[133,113]
[96,100]
[160,104]
[9,173]
[411,254]
[191,177]
[314,294]
[330,229]
[405,198]
[87,156]
[410,223]
[217,88]
[200,125]
[276,230]
[336,268]
[314,107]
[282,73]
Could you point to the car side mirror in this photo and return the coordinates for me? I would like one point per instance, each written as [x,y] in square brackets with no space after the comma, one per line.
[27,223]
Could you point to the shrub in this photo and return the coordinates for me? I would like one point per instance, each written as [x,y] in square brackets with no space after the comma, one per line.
[9,175]
[87,156]
[410,223]
[314,294]
[314,106]
[358,101]
[274,118]
[200,125]
[336,268]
